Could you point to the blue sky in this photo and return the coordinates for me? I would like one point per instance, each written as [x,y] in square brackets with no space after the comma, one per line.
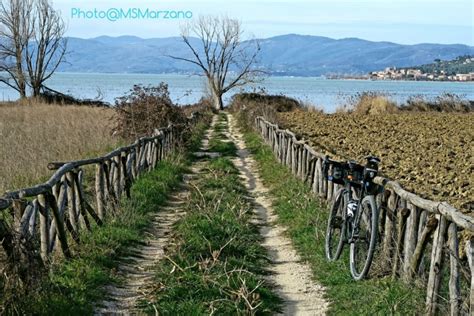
[401,21]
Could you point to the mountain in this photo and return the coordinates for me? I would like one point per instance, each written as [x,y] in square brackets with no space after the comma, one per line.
[292,54]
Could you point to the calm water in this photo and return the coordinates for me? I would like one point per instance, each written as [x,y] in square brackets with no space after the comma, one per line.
[327,94]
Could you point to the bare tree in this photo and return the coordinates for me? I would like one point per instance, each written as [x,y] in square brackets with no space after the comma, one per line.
[226,60]
[48,46]
[32,43]
[15,33]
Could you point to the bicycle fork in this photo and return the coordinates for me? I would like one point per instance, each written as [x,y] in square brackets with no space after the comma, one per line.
[355,210]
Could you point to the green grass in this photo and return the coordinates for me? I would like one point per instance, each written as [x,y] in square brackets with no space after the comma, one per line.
[194,141]
[216,264]
[219,142]
[73,287]
[225,148]
[306,220]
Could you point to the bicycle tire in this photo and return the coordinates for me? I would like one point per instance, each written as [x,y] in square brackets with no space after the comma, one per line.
[336,223]
[360,263]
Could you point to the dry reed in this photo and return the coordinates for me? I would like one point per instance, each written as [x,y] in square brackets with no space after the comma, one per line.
[33,135]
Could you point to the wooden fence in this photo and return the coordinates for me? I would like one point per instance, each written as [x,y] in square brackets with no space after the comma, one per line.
[53,213]
[419,239]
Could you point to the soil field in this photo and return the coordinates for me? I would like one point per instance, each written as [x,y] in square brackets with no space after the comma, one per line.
[430,154]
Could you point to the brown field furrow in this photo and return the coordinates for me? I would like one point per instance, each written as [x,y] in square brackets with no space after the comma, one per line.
[430,154]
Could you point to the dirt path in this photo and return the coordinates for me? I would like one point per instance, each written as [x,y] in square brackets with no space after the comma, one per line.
[292,277]
[136,272]
[301,295]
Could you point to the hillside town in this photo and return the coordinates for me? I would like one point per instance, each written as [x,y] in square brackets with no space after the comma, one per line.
[394,73]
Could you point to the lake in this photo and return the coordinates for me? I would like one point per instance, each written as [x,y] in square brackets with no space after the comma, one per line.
[324,93]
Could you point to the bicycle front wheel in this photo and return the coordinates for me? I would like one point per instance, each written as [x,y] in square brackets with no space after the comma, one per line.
[364,238]
[336,228]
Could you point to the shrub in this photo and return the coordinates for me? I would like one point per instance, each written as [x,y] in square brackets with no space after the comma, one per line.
[251,105]
[447,102]
[203,106]
[144,109]
[370,102]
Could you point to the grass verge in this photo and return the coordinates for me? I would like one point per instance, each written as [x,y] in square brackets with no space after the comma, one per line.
[215,264]
[306,220]
[73,287]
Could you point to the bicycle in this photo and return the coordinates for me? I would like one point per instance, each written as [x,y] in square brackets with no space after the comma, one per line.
[353,217]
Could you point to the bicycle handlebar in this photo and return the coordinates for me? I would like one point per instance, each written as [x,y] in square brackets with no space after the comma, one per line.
[370,169]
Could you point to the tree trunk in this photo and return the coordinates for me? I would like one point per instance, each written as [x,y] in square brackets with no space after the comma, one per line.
[22,90]
[36,90]
[217,101]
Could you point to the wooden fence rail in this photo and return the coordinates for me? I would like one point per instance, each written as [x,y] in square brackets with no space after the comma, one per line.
[53,213]
[417,236]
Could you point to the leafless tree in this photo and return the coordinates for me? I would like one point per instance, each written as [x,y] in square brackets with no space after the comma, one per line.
[48,46]
[15,33]
[220,52]
[32,43]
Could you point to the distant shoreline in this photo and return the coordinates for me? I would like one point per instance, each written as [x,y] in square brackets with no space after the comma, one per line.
[401,80]
[269,76]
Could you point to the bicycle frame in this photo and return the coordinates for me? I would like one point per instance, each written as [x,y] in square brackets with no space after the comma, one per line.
[368,173]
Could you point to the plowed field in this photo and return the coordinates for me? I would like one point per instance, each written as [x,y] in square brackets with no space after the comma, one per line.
[430,154]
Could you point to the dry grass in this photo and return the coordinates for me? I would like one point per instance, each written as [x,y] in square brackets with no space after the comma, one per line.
[369,103]
[33,135]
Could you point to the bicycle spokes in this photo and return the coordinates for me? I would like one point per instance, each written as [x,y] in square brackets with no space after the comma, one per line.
[336,228]
[363,238]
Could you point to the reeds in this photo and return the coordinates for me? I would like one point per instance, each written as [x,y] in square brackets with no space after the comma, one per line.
[35,134]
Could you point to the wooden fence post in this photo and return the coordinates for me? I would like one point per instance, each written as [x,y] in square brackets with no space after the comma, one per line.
[401,228]
[117,176]
[454,286]
[33,218]
[330,188]
[470,259]
[410,238]
[72,206]
[58,219]
[416,259]
[317,168]
[289,146]
[61,202]
[78,178]
[388,227]
[100,190]
[434,278]
[44,227]
[294,158]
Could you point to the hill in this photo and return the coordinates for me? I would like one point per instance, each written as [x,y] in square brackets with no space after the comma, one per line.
[296,55]
[459,65]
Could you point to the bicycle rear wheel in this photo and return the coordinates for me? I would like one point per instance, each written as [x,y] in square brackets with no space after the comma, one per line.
[364,238]
[336,228]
